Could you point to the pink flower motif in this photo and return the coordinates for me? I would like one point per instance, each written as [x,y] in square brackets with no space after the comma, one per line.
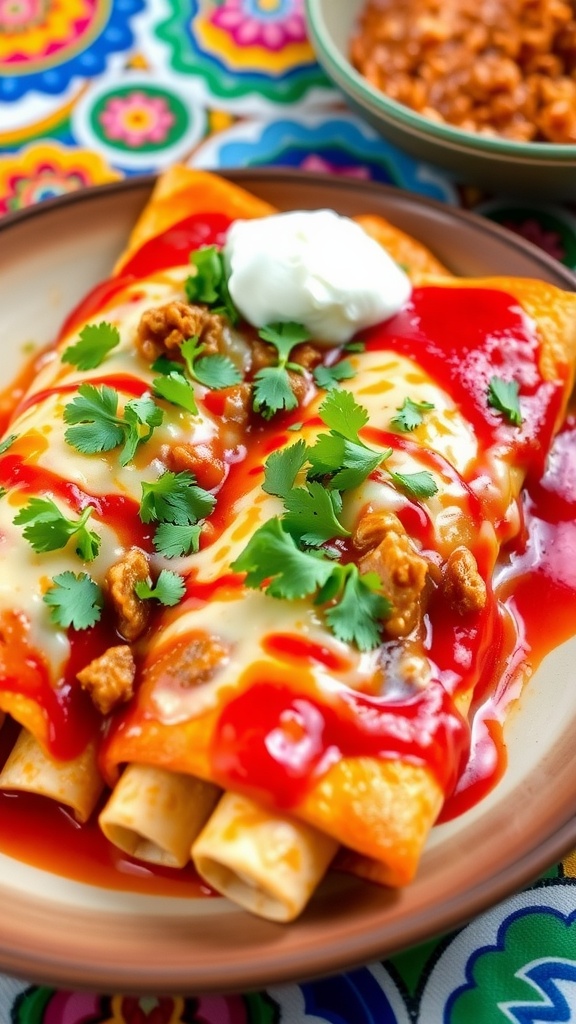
[16,15]
[316,163]
[137,119]
[81,1007]
[272,24]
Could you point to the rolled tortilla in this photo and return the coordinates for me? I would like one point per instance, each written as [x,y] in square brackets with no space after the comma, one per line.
[264,861]
[76,783]
[180,193]
[155,815]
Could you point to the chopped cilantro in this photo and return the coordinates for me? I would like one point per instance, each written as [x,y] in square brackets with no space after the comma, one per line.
[168,590]
[174,388]
[47,529]
[175,498]
[96,341]
[360,608]
[165,365]
[178,504]
[273,559]
[342,414]
[312,514]
[213,371]
[419,485]
[329,377]
[209,283]
[503,396]
[341,455]
[175,540]
[410,415]
[74,600]
[96,427]
[272,391]
[282,468]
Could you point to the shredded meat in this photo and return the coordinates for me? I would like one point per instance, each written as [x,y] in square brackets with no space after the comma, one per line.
[392,556]
[462,585]
[165,328]
[132,612]
[109,679]
[193,663]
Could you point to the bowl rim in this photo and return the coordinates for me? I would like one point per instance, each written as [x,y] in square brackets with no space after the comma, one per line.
[349,80]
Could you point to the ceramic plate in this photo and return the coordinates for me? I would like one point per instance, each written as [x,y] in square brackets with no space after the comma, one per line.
[64,933]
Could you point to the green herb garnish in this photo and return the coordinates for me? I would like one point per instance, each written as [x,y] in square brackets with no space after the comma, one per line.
[272,559]
[75,601]
[47,529]
[168,590]
[209,284]
[178,504]
[97,427]
[503,396]
[410,415]
[329,377]
[272,391]
[96,341]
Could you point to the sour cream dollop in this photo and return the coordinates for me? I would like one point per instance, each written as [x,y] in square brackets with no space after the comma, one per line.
[316,268]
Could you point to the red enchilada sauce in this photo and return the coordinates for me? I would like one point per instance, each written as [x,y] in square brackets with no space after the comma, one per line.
[462,353]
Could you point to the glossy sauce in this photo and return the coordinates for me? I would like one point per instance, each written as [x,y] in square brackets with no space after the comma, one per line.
[462,352]
[120,512]
[271,740]
[537,591]
[290,739]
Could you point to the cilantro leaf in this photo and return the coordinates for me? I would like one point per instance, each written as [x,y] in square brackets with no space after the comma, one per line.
[96,341]
[419,485]
[204,285]
[213,371]
[329,377]
[341,412]
[165,366]
[272,391]
[346,462]
[410,415]
[312,514]
[503,396]
[75,601]
[7,442]
[174,388]
[139,412]
[284,336]
[355,346]
[360,610]
[272,557]
[282,468]
[96,427]
[209,283]
[175,540]
[216,372]
[175,498]
[168,590]
[47,529]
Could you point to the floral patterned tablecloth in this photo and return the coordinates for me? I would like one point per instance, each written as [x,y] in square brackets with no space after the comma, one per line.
[96,90]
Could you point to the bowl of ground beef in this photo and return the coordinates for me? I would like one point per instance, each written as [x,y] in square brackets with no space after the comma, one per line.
[484,88]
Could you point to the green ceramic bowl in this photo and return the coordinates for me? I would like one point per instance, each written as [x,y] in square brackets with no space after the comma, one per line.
[544,171]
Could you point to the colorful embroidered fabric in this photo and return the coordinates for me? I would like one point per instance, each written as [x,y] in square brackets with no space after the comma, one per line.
[96,90]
